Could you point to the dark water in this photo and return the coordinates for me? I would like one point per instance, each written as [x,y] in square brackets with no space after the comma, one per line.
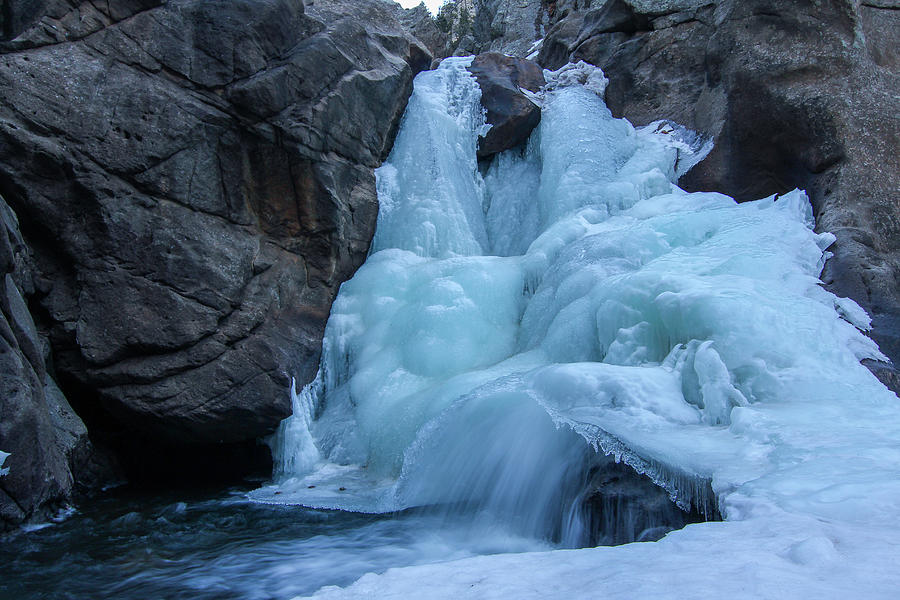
[152,546]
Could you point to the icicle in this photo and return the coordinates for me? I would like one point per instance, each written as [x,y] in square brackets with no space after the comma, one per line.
[294,452]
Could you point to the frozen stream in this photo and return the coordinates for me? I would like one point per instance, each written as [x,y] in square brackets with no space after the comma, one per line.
[558,350]
[466,363]
[519,328]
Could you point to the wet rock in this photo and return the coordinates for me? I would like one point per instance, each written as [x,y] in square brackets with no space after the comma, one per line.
[511,114]
[620,506]
[196,180]
[886,374]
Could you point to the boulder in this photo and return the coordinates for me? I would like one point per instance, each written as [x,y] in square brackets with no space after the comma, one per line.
[196,181]
[46,442]
[511,114]
[795,94]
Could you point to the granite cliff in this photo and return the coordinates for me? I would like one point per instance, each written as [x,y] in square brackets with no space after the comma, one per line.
[193,180]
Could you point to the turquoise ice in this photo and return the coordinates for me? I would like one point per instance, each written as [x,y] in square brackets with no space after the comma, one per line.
[518,322]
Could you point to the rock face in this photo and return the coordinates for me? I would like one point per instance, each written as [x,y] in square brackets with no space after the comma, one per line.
[46,440]
[509,26]
[515,26]
[420,23]
[447,33]
[195,180]
[510,113]
[795,93]
[464,27]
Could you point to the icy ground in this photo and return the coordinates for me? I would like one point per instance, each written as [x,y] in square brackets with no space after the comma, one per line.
[514,325]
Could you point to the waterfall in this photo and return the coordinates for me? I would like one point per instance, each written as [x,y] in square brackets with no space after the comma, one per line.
[524,335]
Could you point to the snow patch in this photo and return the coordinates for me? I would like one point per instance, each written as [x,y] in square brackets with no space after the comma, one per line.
[580,74]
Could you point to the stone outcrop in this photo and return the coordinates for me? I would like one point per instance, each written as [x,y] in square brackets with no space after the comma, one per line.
[195,180]
[511,114]
[45,439]
[421,24]
[795,94]
[464,27]
[515,26]
[509,26]
[448,33]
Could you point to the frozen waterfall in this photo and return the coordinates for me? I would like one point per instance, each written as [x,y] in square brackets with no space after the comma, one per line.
[523,328]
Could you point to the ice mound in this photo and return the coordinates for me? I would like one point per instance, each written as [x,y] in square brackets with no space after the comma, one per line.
[518,322]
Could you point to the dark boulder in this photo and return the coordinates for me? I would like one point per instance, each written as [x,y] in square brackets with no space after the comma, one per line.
[511,114]
[795,94]
[46,442]
[195,180]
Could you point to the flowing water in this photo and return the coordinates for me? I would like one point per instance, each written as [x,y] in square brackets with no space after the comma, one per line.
[220,546]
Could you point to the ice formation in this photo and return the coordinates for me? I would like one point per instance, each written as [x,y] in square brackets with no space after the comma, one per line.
[3,457]
[514,326]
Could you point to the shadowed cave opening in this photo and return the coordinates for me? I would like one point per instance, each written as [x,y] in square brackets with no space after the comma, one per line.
[139,461]
[620,506]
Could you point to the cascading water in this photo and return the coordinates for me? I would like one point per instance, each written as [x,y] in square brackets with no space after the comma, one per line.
[516,336]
